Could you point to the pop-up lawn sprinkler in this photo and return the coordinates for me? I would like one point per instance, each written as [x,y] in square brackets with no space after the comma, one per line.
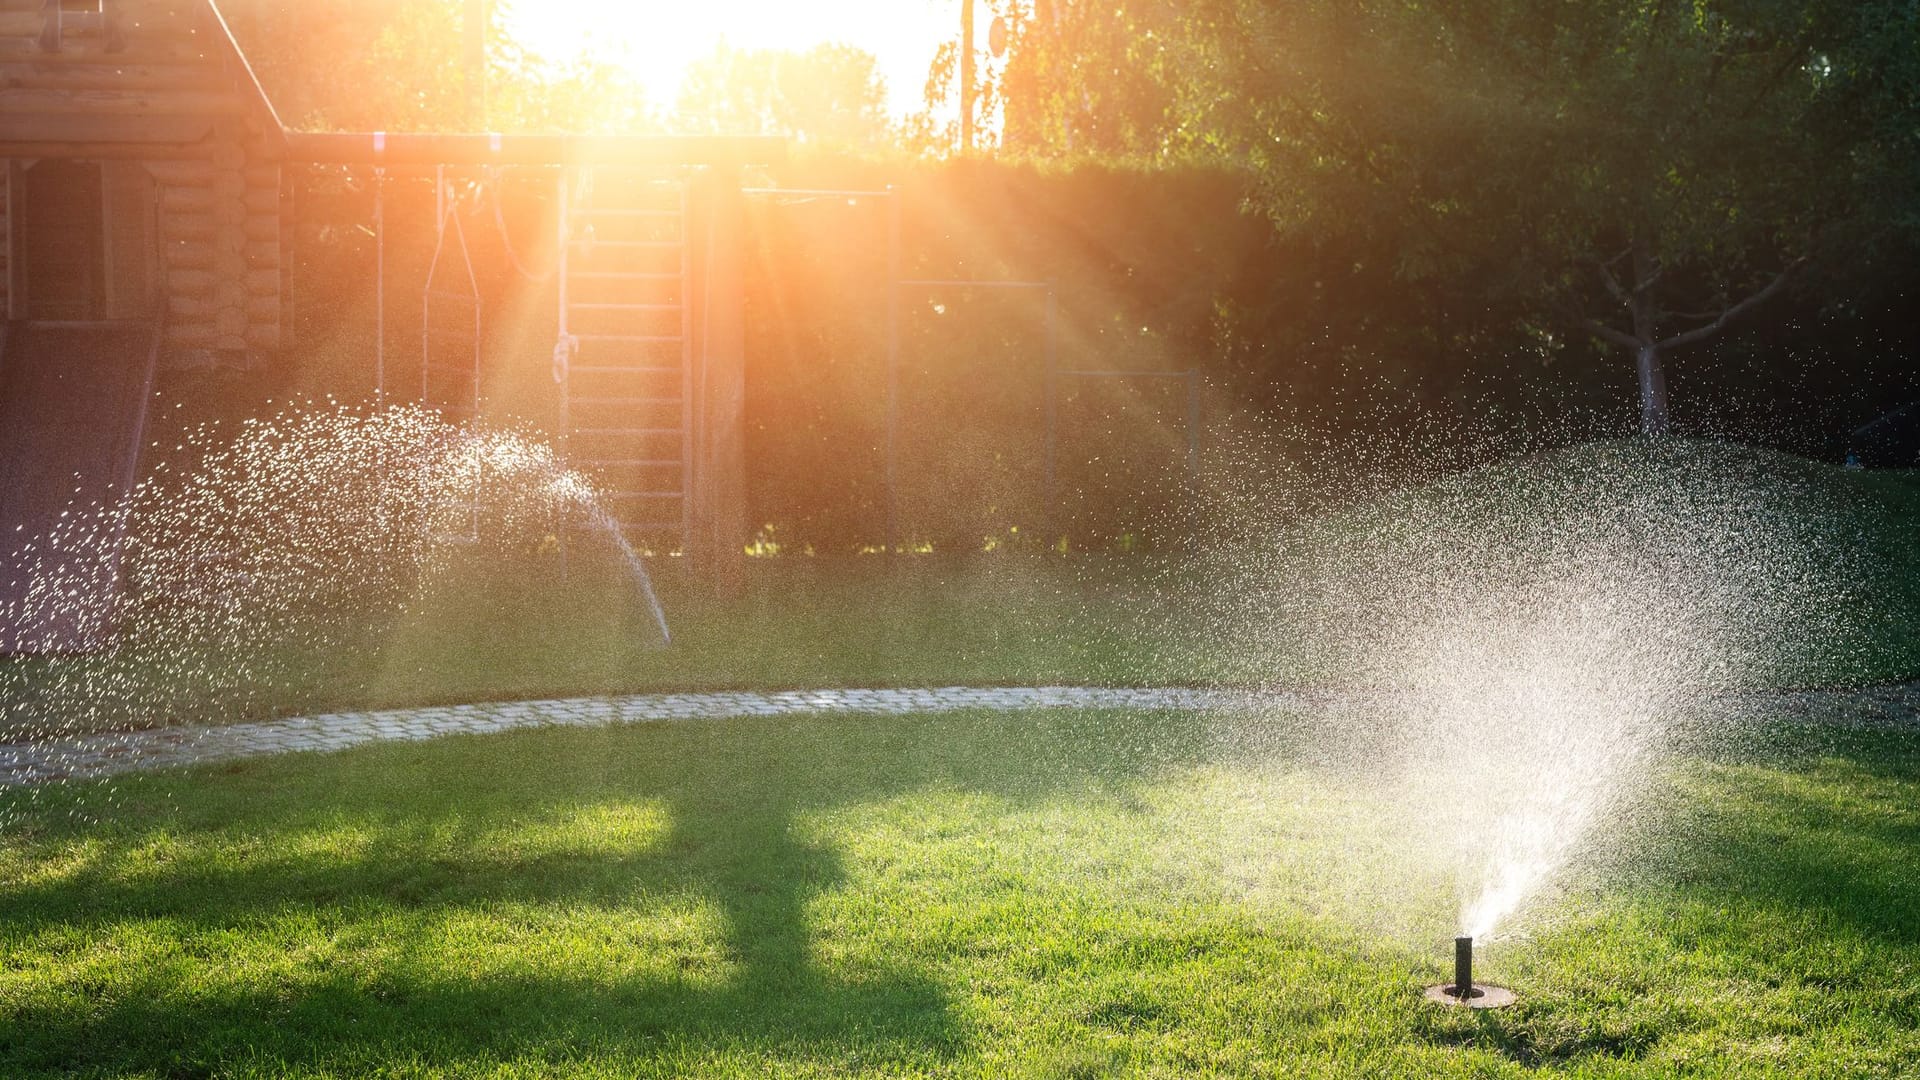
[1463,990]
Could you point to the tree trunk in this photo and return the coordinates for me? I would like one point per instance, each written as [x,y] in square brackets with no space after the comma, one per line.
[1653,390]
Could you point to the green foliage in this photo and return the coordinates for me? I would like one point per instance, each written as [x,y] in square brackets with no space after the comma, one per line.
[364,65]
[1079,80]
[1155,269]
[1714,137]
[1637,169]
[828,96]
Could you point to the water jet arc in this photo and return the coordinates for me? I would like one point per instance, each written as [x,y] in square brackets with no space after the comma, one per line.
[1463,991]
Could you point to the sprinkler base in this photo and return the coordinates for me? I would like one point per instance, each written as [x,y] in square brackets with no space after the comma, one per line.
[1480,996]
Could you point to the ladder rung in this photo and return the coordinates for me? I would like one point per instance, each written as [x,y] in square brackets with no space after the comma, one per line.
[624,400]
[622,307]
[624,369]
[648,245]
[592,212]
[658,339]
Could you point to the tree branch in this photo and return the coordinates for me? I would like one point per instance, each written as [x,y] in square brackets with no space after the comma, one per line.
[1618,337]
[1644,285]
[1701,333]
[1612,281]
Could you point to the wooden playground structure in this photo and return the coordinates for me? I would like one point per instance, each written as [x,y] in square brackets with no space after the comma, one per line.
[146,180]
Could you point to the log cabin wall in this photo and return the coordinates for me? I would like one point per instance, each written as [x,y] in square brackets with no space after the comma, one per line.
[219,233]
[156,91]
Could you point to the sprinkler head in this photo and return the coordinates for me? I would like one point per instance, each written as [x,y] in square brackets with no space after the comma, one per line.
[1463,991]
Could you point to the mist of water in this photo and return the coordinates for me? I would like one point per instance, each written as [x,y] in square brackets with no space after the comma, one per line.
[1514,652]
[246,549]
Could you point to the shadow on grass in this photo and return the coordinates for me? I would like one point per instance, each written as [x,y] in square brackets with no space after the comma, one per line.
[1806,819]
[733,793]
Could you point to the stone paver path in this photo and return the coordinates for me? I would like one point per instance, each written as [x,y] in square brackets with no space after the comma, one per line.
[86,756]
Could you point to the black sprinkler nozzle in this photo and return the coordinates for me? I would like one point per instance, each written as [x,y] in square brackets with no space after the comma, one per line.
[1463,967]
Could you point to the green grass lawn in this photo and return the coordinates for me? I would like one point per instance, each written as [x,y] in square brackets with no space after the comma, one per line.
[1068,894]
[523,631]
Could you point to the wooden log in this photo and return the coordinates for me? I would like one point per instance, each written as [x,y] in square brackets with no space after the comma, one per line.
[179,16]
[228,154]
[190,333]
[186,173]
[26,75]
[188,283]
[265,336]
[148,152]
[231,322]
[203,173]
[221,196]
[118,103]
[231,293]
[183,10]
[184,226]
[178,253]
[263,310]
[92,50]
[230,227]
[176,199]
[264,282]
[190,307]
[76,134]
[204,254]
[207,309]
[182,254]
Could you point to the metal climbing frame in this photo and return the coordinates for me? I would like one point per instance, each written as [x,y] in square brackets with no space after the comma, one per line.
[624,360]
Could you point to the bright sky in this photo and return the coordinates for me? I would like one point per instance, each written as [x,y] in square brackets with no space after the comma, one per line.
[658,40]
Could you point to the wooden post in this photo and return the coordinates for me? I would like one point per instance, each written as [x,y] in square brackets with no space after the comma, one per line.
[966,76]
[894,218]
[721,475]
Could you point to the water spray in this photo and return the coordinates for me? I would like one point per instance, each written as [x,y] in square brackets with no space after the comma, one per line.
[1463,990]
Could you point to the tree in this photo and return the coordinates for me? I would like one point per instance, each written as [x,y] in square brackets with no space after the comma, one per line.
[1078,80]
[361,64]
[402,65]
[1647,171]
[830,95]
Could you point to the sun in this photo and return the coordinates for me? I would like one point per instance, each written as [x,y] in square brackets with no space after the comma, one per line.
[658,41]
